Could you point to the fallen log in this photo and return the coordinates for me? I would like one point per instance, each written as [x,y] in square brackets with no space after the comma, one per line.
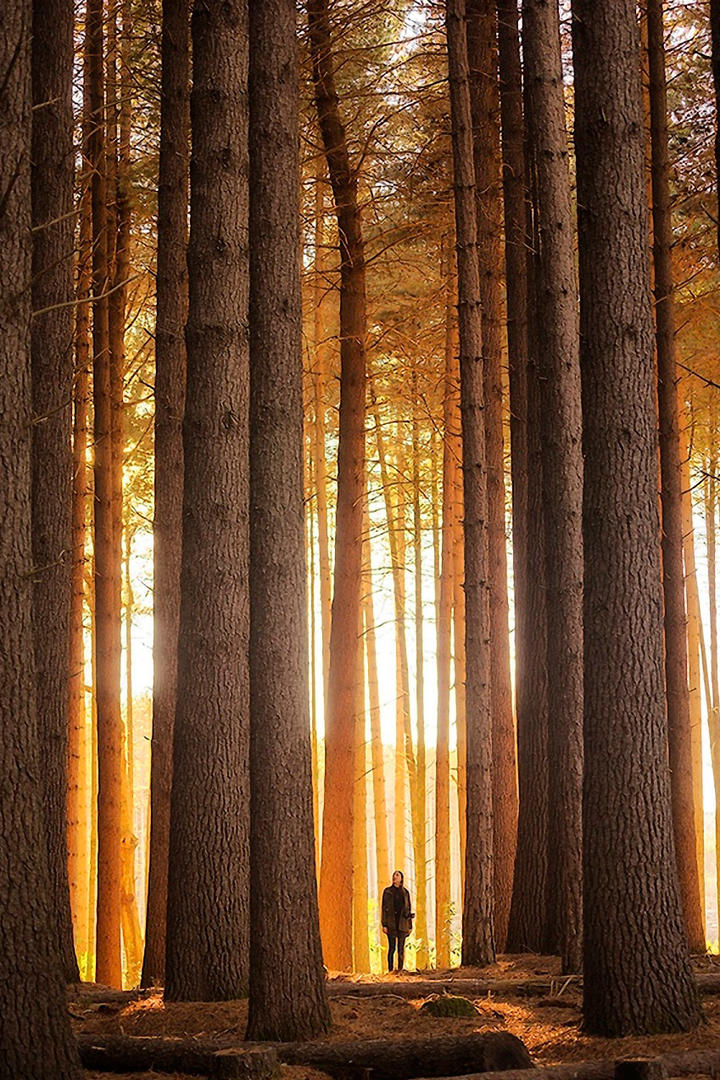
[682,1063]
[401,1059]
[380,1059]
[417,988]
[221,1061]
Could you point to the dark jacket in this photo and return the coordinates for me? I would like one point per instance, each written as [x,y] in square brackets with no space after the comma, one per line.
[388,912]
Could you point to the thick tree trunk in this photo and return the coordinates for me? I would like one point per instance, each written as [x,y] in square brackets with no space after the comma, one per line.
[171,313]
[485,102]
[36,1037]
[208,916]
[52,376]
[676,652]
[637,971]
[561,424]
[528,919]
[107,624]
[477,944]
[336,910]
[287,1000]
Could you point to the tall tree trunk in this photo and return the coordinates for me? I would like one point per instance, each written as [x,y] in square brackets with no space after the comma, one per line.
[528,919]
[320,374]
[515,215]
[694,653]
[132,934]
[418,796]
[376,744]
[676,653]
[444,626]
[714,696]
[335,911]
[561,429]
[287,1000]
[207,915]
[458,620]
[485,103]
[52,374]
[36,1035]
[637,973]
[107,623]
[171,312]
[78,795]
[361,938]
[477,945]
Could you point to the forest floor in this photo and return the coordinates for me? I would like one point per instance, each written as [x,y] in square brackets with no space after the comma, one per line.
[549,1026]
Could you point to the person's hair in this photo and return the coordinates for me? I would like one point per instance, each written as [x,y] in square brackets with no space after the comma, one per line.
[402,876]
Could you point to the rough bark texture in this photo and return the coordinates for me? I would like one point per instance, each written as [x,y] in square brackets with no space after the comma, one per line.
[34,1026]
[477,944]
[107,620]
[208,909]
[336,909]
[52,371]
[561,424]
[687,1063]
[485,103]
[529,927]
[167,1055]
[287,1000]
[169,408]
[676,651]
[636,965]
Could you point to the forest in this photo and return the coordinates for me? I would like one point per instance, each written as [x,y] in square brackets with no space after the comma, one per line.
[359,510]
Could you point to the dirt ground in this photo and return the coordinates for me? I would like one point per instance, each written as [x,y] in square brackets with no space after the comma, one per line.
[549,1026]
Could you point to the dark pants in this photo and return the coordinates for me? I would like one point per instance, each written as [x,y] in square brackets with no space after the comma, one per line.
[393,940]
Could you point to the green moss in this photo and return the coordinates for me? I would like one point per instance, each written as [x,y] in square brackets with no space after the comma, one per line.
[448,1005]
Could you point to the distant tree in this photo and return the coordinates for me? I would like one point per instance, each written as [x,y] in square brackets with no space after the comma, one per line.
[637,975]
[671,488]
[287,983]
[52,380]
[208,904]
[169,408]
[34,1025]
[477,944]
[560,428]
[336,865]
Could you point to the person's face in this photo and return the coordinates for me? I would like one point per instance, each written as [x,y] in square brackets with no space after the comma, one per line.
[397,879]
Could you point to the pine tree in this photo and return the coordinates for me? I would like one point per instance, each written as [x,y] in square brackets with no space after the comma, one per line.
[208,909]
[169,408]
[34,1026]
[287,1000]
[637,975]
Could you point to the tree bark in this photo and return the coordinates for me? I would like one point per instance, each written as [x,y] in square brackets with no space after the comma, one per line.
[715,59]
[477,945]
[36,1036]
[676,652]
[52,376]
[485,102]
[336,910]
[418,797]
[561,424]
[287,1000]
[528,919]
[207,916]
[444,627]
[637,971]
[171,312]
[107,625]
[376,744]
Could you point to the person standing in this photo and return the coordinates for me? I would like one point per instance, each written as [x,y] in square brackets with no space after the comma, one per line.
[397,916]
